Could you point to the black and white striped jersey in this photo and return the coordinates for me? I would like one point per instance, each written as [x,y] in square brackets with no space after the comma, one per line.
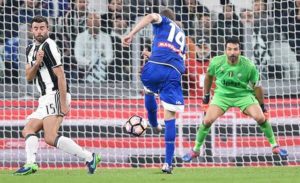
[45,79]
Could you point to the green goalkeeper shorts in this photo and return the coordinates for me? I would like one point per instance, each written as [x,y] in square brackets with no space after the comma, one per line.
[226,102]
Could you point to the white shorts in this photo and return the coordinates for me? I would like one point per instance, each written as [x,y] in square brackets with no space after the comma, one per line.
[167,106]
[49,105]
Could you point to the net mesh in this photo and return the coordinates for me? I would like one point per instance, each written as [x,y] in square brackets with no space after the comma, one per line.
[106,90]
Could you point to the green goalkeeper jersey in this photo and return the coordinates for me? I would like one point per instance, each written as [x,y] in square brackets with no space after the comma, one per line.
[233,80]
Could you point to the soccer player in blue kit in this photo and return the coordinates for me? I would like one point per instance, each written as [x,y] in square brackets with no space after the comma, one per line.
[162,74]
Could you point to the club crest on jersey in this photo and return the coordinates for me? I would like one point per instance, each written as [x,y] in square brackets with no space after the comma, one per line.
[222,70]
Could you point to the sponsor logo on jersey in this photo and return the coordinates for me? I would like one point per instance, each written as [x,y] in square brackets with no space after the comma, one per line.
[168,45]
[231,83]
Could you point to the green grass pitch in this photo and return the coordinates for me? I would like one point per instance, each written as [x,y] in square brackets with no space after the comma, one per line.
[153,175]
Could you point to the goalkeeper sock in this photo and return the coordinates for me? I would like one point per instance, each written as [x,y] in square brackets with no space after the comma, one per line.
[201,134]
[31,147]
[170,135]
[268,131]
[69,146]
[151,106]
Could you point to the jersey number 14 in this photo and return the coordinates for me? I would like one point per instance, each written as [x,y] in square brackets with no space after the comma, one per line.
[179,37]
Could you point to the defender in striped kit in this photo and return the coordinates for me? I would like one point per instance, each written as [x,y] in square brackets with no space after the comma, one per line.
[44,67]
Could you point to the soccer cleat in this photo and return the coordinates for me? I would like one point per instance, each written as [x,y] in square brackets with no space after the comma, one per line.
[157,129]
[167,169]
[190,155]
[92,165]
[281,152]
[28,168]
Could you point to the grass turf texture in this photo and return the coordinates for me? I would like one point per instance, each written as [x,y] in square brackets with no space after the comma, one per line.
[153,175]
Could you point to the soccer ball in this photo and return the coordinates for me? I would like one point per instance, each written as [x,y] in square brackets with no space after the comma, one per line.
[136,125]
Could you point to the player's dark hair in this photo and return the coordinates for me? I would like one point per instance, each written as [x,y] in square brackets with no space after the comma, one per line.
[39,19]
[167,12]
[233,40]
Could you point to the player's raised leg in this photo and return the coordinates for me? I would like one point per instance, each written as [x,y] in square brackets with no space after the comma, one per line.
[213,112]
[31,146]
[255,111]
[151,107]
[51,125]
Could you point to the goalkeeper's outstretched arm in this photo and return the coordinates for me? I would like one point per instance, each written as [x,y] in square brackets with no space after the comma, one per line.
[207,83]
[259,94]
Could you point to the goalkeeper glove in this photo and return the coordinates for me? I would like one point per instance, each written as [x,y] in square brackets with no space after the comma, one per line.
[262,106]
[205,101]
[206,98]
[264,110]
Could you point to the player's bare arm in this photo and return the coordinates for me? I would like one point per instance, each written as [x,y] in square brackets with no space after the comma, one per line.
[151,18]
[32,70]
[207,83]
[62,87]
[259,94]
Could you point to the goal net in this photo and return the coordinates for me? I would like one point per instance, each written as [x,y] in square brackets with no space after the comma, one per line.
[104,80]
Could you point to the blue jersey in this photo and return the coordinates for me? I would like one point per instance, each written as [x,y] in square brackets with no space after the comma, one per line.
[168,47]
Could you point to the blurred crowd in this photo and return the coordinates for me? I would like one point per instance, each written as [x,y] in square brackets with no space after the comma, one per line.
[90,41]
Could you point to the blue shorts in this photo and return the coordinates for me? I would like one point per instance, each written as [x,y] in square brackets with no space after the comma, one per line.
[165,81]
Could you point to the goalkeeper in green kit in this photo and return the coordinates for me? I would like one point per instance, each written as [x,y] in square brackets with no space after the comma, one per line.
[237,85]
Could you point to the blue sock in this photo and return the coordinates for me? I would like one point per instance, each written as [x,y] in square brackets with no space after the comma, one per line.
[151,106]
[170,135]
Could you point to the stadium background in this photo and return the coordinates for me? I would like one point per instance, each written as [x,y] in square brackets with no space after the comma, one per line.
[105,86]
